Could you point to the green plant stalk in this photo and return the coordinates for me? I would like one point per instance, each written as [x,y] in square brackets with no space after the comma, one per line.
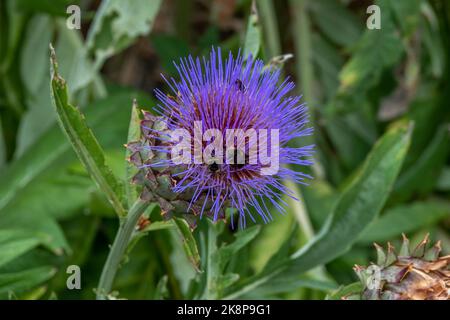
[270,26]
[123,236]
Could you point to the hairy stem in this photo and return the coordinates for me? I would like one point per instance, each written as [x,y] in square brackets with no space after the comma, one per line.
[118,248]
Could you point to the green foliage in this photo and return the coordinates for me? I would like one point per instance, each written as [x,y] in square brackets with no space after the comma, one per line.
[134,133]
[366,65]
[354,210]
[14,243]
[406,219]
[170,49]
[379,105]
[216,278]
[189,244]
[17,281]
[345,291]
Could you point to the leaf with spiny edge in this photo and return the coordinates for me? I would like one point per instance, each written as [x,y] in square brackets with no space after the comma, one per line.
[83,141]
[134,134]
[391,256]
[419,251]
[404,251]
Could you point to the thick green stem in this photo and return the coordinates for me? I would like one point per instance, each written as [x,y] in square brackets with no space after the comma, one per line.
[118,248]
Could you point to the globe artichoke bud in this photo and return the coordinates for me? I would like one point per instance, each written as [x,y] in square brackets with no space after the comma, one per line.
[211,99]
[419,274]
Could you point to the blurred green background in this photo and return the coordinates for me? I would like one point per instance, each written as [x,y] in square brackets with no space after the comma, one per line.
[357,82]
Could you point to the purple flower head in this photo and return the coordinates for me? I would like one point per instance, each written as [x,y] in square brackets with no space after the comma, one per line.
[224,94]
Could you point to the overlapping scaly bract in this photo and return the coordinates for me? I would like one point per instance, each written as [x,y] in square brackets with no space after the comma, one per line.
[419,274]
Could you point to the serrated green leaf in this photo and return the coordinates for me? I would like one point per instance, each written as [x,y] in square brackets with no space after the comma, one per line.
[421,176]
[328,62]
[84,142]
[377,50]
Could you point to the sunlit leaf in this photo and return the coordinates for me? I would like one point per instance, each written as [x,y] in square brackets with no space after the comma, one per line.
[14,243]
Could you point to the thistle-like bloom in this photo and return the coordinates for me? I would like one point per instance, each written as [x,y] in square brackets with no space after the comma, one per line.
[222,94]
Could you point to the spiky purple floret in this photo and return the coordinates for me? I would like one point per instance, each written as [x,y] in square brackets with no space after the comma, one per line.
[236,94]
